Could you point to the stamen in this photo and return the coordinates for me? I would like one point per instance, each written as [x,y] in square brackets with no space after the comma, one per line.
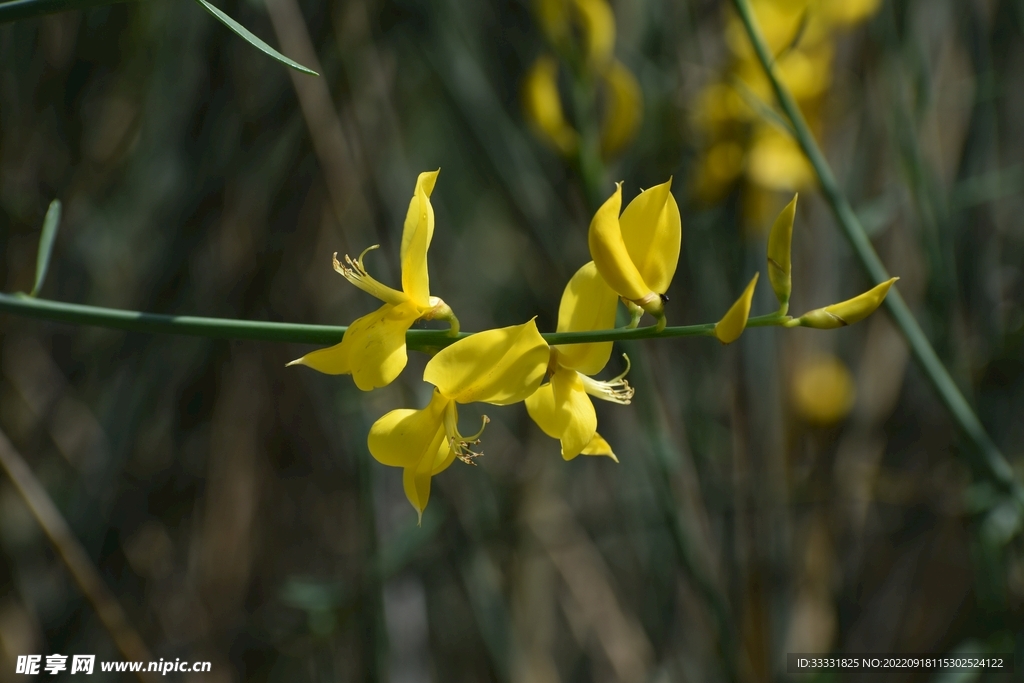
[616,390]
[458,443]
[356,273]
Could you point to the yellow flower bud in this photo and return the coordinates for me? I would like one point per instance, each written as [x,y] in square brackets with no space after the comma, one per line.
[846,312]
[542,106]
[779,248]
[732,324]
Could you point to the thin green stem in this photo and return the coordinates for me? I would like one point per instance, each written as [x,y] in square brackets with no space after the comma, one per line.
[226,328]
[989,458]
[14,10]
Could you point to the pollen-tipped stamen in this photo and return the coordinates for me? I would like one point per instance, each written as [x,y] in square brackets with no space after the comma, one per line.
[356,273]
[616,390]
[459,444]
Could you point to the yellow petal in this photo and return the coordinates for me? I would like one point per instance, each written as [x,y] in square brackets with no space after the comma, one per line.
[732,324]
[372,350]
[609,252]
[500,366]
[416,479]
[405,437]
[542,106]
[588,303]
[653,232]
[598,446]
[624,110]
[598,26]
[416,236]
[780,242]
[562,409]
[846,312]
[850,12]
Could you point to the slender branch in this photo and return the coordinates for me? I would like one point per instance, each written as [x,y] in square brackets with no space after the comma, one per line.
[256,330]
[989,458]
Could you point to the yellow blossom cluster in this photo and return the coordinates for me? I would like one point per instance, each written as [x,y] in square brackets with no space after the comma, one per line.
[635,253]
[742,143]
[580,36]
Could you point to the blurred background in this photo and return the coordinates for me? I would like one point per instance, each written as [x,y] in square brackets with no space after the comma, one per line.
[797,491]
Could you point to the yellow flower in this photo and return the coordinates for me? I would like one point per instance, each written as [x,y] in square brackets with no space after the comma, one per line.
[823,390]
[500,367]
[561,408]
[780,247]
[373,348]
[637,253]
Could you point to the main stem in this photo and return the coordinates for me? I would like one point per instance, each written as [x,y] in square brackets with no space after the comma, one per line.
[989,458]
[226,328]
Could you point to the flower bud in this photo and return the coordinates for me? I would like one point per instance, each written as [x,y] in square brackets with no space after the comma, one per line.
[779,248]
[732,324]
[846,312]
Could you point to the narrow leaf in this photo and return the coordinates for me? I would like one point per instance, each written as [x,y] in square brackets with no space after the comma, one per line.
[253,40]
[46,240]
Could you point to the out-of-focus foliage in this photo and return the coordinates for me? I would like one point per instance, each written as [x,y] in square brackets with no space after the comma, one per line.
[233,507]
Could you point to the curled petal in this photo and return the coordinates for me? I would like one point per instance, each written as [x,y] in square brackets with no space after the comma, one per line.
[500,366]
[405,437]
[653,233]
[609,252]
[414,440]
[542,106]
[588,303]
[562,409]
[416,236]
[732,324]
[625,106]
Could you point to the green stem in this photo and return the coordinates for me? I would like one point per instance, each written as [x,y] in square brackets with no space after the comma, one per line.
[226,328]
[990,458]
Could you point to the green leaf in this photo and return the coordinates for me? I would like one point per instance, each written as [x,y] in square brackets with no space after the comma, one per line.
[253,40]
[50,225]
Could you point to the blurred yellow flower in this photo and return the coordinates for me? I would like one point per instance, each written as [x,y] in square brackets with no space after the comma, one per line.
[822,390]
[543,106]
[637,253]
[799,34]
[623,111]
[592,20]
[500,367]
[561,408]
[373,347]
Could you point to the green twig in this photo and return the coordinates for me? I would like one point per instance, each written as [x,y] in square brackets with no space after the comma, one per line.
[989,458]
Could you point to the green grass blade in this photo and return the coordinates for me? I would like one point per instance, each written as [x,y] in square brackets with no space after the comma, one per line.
[253,40]
[46,240]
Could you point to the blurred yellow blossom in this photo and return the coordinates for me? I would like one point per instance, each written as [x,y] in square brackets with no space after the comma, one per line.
[822,390]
